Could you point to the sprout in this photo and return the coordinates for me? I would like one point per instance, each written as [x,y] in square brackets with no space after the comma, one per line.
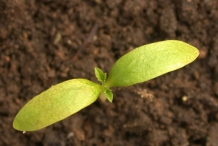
[137,66]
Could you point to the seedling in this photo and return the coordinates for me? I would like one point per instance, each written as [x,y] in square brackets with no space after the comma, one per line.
[137,66]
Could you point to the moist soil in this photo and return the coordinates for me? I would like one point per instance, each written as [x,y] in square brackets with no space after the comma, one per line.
[44,42]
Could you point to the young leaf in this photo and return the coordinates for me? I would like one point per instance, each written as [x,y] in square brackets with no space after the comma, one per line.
[149,61]
[56,103]
[100,75]
[108,94]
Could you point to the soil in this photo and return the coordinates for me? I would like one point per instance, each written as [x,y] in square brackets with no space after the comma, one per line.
[38,43]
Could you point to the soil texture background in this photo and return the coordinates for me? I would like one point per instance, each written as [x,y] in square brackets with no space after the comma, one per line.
[44,42]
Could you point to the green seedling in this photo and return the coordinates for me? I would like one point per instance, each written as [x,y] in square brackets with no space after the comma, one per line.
[137,66]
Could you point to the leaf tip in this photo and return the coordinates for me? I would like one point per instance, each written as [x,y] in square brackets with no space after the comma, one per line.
[109,95]
[100,75]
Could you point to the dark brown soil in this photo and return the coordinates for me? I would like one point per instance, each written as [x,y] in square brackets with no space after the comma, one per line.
[38,43]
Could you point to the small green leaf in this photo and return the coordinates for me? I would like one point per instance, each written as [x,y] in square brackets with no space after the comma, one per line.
[149,61]
[108,93]
[56,103]
[100,75]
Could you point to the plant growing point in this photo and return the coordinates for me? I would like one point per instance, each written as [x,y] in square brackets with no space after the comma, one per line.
[139,65]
